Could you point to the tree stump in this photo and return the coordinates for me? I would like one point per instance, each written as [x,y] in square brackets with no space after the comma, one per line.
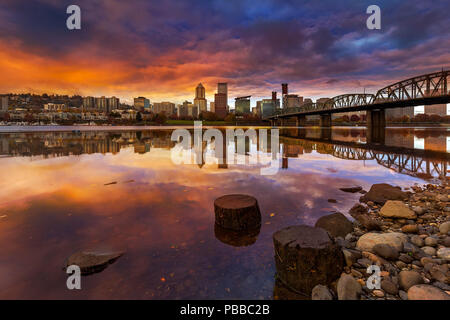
[236,238]
[305,257]
[237,212]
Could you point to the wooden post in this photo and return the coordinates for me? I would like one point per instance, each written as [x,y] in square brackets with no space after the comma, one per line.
[237,212]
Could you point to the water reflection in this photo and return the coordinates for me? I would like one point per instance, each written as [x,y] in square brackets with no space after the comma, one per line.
[399,151]
[56,199]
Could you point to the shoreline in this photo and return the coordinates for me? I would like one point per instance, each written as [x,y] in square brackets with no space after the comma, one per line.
[70,128]
[405,233]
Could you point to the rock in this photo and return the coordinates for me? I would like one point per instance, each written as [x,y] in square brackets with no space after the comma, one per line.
[358,209]
[351,189]
[92,262]
[356,273]
[360,214]
[426,260]
[426,292]
[332,200]
[441,285]
[430,241]
[406,258]
[442,198]
[374,258]
[321,292]
[386,251]
[336,224]
[400,264]
[407,279]
[378,293]
[380,193]
[395,239]
[305,257]
[446,242]
[418,241]
[444,253]
[444,228]
[389,287]
[429,251]
[410,228]
[439,273]
[237,212]
[403,295]
[396,209]
[351,256]
[419,210]
[348,288]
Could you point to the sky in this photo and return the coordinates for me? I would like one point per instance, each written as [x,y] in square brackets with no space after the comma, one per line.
[163,49]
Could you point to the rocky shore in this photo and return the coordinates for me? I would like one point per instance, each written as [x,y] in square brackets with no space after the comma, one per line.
[406,233]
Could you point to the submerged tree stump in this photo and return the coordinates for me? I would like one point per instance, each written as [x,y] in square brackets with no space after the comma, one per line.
[237,212]
[305,257]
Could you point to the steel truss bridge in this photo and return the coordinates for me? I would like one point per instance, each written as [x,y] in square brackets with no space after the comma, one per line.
[425,89]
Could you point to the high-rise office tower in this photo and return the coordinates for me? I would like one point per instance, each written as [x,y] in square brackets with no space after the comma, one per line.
[200,100]
[220,104]
[200,91]
[242,105]
[284,93]
[222,88]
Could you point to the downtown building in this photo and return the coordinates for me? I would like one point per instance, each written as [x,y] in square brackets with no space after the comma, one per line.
[4,103]
[167,107]
[221,100]
[200,101]
[242,105]
[141,103]
[101,104]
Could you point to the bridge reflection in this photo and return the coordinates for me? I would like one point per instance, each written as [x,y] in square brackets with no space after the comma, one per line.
[421,154]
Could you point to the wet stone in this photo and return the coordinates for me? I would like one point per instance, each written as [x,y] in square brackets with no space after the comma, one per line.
[92,262]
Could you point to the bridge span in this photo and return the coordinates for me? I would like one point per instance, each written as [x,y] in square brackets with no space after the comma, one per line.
[427,89]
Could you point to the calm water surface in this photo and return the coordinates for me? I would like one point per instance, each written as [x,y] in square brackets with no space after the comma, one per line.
[55,199]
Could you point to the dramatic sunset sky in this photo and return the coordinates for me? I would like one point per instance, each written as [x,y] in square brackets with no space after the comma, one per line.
[163,49]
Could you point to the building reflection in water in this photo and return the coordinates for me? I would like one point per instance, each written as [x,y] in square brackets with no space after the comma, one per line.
[417,152]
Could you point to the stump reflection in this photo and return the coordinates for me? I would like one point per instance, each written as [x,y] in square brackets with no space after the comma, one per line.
[236,238]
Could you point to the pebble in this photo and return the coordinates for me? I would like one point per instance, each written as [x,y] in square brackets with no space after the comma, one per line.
[417,240]
[410,228]
[431,242]
[389,287]
[429,250]
[407,279]
[378,293]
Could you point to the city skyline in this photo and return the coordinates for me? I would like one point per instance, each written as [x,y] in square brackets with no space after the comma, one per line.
[314,47]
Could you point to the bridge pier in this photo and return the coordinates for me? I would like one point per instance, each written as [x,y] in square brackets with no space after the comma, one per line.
[300,121]
[325,120]
[325,133]
[376,125]
[376,118]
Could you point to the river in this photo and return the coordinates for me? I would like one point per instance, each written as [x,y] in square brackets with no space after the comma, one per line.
[99,188]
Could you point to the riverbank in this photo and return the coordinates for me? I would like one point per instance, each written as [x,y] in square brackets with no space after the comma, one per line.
[405,233]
